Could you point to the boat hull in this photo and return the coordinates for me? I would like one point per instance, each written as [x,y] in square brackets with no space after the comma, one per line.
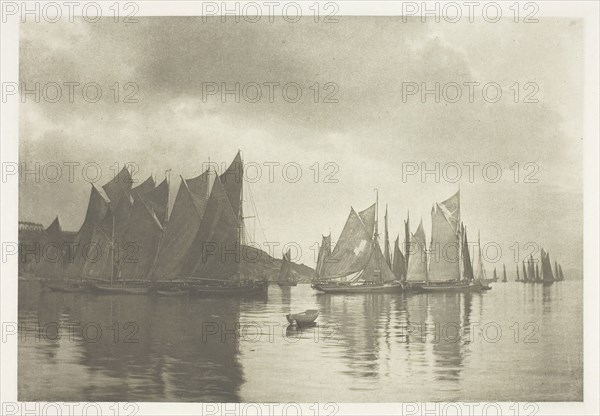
[172,293]
[66,287]
[456,287]
[287,284]
[120,290]
[303,319]
[348,289]
[244,290]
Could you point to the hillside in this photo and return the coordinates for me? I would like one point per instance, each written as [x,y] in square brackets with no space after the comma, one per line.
[259,263]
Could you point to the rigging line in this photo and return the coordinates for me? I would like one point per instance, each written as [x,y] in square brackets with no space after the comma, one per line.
[253,203]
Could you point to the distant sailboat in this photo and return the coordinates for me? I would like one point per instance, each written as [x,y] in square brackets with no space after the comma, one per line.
[495,278]
[518,277]
[562,276]
[357,264]
[524,273]
[504,274]
[537,273]
[547,277]
[286,275]
[531,269]
[416,273]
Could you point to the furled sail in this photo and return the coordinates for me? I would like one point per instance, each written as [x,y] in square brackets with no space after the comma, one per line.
[141,241]
[216,250]
[547,275]
[96,210]
[353,248]
[444,248]
[417,260]
[399,266]
[324,254]
[285,272]
[182,227]
[119,186]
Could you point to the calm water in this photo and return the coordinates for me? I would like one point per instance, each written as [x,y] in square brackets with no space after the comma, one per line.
[369,348]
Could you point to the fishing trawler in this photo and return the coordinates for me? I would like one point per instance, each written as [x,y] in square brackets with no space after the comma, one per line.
[356,264]
[450,268]
[286,274]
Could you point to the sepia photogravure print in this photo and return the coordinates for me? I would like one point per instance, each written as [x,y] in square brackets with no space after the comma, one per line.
[294,206]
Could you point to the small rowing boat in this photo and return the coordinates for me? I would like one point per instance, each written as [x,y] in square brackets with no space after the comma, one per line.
[305,318]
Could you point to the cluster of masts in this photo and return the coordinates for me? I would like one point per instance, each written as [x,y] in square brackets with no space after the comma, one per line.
[358,259]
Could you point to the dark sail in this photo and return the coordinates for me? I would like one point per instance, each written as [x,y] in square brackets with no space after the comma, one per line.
[495,278]
[158,200]
[518,277]
[466,257]
[399,266]
[524,272]
[324,253]
[504,273]
[537,272]
[562,276]
[51,259]
[406,243]
[216,251]
[531,269]
[140,245]
[547,275]
[97,209]
[387,253]
[144,187]
[100,259]
[182,227]
[377,269]
[232,181]
[119,186]
[285,272]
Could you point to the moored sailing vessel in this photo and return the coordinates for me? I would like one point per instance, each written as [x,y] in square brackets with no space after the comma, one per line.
[286,274]
[357,263]
[450,267]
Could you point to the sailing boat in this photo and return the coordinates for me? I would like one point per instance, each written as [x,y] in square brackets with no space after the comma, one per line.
[214,263]
[416,252]
[481,275]
[531,269]
[547,277]
[525,280]
[286,277]
[357,264]
[448,243]
[560,272]
[495,278]
[518,277]
[504,274]
[537,273]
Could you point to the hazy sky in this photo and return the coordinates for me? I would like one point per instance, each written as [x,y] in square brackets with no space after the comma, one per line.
[368,134]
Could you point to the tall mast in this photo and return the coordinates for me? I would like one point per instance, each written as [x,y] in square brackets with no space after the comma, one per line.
[112,263]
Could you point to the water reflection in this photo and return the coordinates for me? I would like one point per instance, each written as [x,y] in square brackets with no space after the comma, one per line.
[377,347]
